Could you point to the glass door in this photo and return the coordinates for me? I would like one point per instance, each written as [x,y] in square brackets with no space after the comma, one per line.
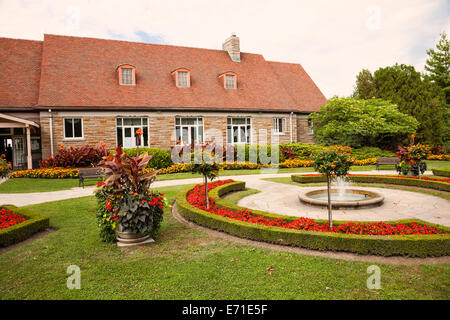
[19,151]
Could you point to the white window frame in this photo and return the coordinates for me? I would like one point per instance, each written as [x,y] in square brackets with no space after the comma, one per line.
[310,126]
[199,123]
[276,122]
[186,85]
[133,127]
[248,131]
[73,128]
[131,77]
[233,82]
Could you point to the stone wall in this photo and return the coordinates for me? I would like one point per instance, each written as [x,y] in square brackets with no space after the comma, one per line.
[302,130]
[101,126]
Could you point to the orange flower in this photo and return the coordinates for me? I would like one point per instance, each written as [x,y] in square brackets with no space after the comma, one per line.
[62,146]
[139,132]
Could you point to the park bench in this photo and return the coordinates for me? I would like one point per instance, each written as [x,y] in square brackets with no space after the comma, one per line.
[388,160]
[85,173]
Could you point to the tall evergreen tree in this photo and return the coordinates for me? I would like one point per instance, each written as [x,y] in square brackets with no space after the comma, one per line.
[365,86]
[438,67]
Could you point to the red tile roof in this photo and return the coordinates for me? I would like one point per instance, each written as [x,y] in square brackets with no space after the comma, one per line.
[81,72]
[20,69]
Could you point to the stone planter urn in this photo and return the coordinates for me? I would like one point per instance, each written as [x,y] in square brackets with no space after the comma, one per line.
[128,239]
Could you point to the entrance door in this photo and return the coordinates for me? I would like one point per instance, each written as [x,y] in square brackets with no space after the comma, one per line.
[19,151]
[128,138]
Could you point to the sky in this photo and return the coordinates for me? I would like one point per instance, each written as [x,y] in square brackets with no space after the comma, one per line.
[333,40]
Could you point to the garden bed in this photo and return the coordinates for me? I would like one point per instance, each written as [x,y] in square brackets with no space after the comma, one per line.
[403,245]
[441,172]
[21,229]
[424,182]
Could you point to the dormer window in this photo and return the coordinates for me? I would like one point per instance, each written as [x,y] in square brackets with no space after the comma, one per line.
[127,75]
[229,80]
[182,77]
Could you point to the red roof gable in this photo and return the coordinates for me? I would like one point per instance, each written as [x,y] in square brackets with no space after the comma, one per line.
[299,85]
[82,72]
[20,66]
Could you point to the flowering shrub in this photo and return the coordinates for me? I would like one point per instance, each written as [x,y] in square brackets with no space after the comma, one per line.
[76,157]
[411,158]
[126,198]
[53,173]
[441,157]
[8,219]
[5,167]
[196,197]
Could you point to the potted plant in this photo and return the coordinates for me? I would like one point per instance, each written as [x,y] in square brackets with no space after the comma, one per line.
[411,158]
[136,212]
[332,162]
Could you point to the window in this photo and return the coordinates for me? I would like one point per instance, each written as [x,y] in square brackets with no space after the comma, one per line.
[310,127]
[279,125]
[182,79]
[127,76]
[229,81]
[238,130]
[189,130]
[126,132]
[73,128]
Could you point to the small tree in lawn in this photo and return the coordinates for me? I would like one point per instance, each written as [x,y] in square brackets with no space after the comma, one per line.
[205,163]
[331,162]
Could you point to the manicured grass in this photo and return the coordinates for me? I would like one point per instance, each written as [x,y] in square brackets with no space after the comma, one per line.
[234,197]
[440,194]
[185,263]
[27,185]
[435,164]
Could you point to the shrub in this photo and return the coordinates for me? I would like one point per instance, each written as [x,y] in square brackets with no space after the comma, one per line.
[35,222]
[411,158]
[302,150]
[160,158]
[424,182]
[5,167]
[371,152]
[410,245]
[253,152]
[76,157]
[441,172]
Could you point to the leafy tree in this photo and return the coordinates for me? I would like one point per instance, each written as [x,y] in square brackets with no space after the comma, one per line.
[355,123]
[331,162]
[365,85]
[413,93]
[438,67]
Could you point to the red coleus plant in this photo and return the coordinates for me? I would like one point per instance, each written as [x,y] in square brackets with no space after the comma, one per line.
[8,219]
[196,197]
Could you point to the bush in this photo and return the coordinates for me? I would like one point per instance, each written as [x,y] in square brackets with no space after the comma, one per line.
[423,182]
[302,150]
[371,152]
[35,222]
[411,245]
[160,158]
[5,167]
[441,172]
[76,157]
[254,150]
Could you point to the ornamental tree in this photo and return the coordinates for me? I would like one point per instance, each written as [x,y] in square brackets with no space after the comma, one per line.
[332,162]
[356,123]
[205,163]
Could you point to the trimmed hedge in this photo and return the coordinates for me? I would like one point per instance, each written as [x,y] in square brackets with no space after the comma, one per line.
[443,186]
[441,172]
[411,245]
[35,222]
[161,158]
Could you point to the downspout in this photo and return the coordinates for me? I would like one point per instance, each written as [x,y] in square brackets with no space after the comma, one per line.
[290,125]
[50,120]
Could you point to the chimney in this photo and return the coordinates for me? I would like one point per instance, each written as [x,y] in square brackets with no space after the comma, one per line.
[231,45]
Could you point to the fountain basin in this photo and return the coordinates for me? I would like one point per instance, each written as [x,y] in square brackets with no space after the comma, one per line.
[349,199]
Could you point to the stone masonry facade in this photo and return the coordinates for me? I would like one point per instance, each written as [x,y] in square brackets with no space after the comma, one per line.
[101,126]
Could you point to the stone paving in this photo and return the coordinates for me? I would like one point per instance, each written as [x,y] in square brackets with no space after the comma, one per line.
[283,199]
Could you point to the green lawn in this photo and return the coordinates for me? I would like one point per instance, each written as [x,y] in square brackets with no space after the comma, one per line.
[190,264]
[26,185]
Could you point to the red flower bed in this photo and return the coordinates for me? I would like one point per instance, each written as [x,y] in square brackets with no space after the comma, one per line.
[8,219]
[447,180]
[196,197]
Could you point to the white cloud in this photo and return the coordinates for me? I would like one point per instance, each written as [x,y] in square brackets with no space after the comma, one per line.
[333,40]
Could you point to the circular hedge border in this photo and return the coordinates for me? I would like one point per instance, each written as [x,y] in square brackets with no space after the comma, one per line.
[430,184]
[35,222]
[398,245]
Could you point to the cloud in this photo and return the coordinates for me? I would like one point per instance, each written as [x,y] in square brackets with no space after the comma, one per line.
[333,40]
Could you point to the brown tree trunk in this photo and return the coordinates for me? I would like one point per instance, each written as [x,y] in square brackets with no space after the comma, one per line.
[206,192]
[330,220]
